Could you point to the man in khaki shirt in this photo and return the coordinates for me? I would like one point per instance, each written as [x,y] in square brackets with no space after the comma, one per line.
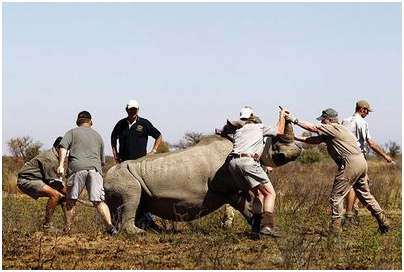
[359,127]
[352,167]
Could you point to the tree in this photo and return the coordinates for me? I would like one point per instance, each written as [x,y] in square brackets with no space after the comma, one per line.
[24,148]
[393,149]
[164,147]
[189,139]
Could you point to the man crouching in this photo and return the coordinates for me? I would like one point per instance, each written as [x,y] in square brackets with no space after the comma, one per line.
[244,165]
[39,178]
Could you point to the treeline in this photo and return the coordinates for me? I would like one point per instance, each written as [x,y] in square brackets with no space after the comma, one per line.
[23,149]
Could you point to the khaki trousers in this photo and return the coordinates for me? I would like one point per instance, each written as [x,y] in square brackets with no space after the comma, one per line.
[352,174]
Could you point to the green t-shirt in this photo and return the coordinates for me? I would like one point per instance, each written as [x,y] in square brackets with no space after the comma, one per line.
[42,167]
[86,149]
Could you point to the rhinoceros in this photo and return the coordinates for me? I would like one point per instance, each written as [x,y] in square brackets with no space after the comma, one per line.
[184,185]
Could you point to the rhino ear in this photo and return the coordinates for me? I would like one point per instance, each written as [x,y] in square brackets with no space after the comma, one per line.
[235,124]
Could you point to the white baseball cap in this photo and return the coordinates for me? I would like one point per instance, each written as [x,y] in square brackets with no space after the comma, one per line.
[132,104]
[246,112]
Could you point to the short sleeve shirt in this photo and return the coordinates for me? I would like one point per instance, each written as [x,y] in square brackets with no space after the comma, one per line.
[42,167]
[249,139]
[359,127]
[86,149]
[133,139]
[341,143]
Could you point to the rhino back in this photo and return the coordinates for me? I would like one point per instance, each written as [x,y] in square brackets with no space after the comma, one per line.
[183,174]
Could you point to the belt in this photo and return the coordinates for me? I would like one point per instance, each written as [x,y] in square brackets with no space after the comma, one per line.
[239,155]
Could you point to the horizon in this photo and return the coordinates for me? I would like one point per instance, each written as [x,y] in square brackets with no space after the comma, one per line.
[193,65]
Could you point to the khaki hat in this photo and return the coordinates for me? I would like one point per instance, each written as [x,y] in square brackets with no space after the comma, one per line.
[363,104]
[328,113]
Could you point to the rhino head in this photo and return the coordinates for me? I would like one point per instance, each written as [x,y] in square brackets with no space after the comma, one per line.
[278,150]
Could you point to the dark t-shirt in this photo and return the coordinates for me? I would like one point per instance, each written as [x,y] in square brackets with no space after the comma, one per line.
[133,140]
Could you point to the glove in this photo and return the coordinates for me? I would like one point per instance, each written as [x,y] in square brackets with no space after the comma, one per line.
[289,117]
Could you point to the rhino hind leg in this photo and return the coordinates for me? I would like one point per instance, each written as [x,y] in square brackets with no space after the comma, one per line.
[123,194]
[288,134]
[243,203]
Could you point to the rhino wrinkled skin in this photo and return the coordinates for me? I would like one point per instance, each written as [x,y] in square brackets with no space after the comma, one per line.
[182,185]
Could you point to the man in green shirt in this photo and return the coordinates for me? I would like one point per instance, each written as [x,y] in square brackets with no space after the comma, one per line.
[352,167]
[38,178]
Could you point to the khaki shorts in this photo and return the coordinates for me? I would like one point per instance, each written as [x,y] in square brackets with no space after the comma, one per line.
[247,173]
[93,182]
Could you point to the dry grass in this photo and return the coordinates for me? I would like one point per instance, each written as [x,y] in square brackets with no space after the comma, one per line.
[302,214]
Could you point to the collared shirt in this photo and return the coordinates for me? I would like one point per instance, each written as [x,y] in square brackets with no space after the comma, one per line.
[341,143]
[133,137]
[249,139]
[359,127]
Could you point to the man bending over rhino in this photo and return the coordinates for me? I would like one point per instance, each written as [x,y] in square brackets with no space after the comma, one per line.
[247,172]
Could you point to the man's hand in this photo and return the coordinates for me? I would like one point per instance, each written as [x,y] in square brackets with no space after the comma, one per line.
[153,151]
[289,117]
[389,159]
[284,111]
[115,155]
[61,171]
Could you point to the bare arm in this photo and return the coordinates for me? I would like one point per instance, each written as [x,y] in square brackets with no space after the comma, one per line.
[307,126]
[62,155]
[379,151]
[309,140]
[280,126]
[114,139]
[157,143]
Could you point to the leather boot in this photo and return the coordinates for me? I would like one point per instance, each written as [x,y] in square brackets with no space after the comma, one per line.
[256,226]
[268,225]
[384,224]
[336,226]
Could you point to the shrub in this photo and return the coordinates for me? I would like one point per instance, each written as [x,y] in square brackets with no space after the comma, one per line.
[311,155]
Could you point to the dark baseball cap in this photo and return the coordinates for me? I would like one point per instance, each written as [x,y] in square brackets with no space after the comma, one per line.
[57,142]
[84,114]
[328,113]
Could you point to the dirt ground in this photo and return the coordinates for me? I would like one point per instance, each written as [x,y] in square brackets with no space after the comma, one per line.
[303,215]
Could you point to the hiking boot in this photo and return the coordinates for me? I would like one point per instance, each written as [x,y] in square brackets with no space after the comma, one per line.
[256,226]
[270,232]
[350,221]
[384,224]
[66,230]
[112,231]
[336,226]
[50,228]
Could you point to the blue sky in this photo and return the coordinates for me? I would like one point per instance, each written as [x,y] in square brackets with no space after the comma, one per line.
[192,65]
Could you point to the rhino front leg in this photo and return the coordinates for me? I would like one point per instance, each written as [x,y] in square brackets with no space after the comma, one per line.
[122,185]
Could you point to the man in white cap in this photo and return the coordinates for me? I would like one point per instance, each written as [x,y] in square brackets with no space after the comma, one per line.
[244,165]
[132,133]
[359,127]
